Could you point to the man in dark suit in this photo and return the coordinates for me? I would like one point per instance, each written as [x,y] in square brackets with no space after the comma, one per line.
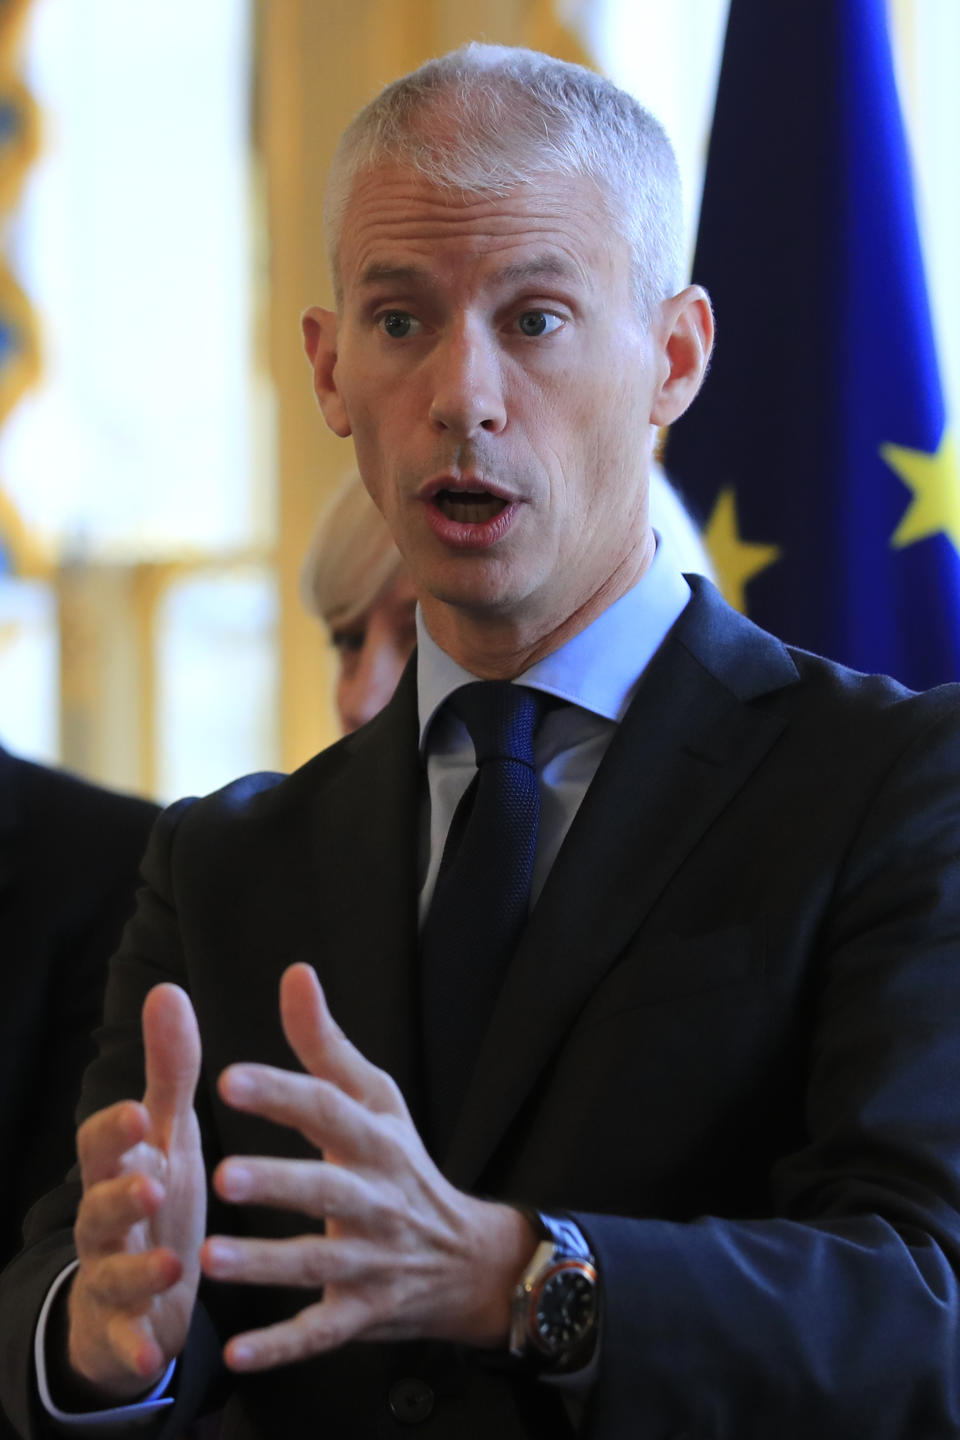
[69,857]
[710,1105]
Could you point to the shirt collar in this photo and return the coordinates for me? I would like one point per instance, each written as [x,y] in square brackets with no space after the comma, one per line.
[598,669]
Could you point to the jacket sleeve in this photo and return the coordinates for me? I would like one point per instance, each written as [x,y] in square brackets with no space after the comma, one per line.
[150,952]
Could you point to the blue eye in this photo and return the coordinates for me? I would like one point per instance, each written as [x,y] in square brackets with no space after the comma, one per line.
[398,324]
[538,322]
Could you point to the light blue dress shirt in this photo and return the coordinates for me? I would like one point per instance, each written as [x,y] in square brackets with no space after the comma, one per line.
[597,672]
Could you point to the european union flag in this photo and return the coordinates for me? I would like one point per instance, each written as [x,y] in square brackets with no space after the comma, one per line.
[818,454]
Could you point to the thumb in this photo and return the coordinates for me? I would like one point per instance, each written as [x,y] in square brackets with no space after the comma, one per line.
[171,1043]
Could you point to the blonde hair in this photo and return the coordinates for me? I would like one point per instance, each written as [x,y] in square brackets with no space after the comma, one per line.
[350,559]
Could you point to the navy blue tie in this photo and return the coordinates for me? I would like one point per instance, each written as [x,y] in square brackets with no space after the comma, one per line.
[482,893]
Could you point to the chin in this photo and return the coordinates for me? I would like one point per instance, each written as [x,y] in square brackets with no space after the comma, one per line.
[478,592]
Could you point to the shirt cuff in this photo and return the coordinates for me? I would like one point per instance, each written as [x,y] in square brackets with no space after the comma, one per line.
[143,1410]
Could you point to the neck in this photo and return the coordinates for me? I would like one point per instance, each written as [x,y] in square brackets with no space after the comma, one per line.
[501,647]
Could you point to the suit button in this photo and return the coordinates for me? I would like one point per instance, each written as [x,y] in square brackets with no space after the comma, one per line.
[410,1401]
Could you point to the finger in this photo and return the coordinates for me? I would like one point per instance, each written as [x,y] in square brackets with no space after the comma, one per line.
[172,1049]
[105,1137]
[302,1262]
[134,1346]
[126,1353]
[110,1209]
[315,1330]
[305,1262]
[323,1049]
[324,1115]
[130,1282]
[310,1187]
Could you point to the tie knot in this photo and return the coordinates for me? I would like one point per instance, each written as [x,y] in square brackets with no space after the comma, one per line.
[501,718]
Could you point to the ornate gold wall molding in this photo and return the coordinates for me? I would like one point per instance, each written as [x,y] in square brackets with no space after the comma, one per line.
[19,343]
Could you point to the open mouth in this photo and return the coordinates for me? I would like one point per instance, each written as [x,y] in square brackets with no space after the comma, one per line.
[469,507]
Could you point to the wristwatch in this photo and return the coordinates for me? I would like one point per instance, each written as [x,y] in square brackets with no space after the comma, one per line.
[554,1307]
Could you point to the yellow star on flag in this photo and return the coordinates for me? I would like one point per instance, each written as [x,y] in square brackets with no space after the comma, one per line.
[935,482]
[735,560]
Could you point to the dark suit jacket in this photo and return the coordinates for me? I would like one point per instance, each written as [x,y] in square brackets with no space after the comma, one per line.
[69,857]
[729,1043]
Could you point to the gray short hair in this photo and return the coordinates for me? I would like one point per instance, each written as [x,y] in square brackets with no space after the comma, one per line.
[523,115]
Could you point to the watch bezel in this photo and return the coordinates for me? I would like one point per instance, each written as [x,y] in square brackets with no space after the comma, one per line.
[561,1352]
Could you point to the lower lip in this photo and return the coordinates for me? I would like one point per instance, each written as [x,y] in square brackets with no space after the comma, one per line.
[470,535]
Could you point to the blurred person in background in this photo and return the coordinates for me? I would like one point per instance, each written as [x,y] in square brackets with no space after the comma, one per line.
[354,581]
[69,853]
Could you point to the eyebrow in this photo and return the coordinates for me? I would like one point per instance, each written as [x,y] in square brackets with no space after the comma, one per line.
[549,267]
[379,273]
[539,267]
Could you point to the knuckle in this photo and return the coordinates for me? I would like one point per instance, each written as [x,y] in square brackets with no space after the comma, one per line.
[391,1305]
[326,1098]
[84,1234]
[390,1142]
[314,1264]
[102,1136]
[388,1211]
[311,1331]
[92,1214]
[97,1281]
[88,1145]
[387,1091]
[116,1279]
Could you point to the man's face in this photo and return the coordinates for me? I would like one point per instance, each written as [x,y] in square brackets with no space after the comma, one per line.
[500,388]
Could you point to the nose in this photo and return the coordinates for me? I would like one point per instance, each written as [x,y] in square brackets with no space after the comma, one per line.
[468,385]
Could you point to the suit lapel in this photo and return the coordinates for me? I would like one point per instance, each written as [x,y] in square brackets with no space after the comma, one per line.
[369,915]
[686,746]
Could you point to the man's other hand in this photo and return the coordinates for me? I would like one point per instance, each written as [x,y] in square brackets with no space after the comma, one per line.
[404,1254]
[142,1217]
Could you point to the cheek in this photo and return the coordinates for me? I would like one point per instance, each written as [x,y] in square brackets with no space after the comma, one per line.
[379,450]
[387,658]
[344,701]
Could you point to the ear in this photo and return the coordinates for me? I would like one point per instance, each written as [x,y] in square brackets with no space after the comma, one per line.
[320,342]
[686,336]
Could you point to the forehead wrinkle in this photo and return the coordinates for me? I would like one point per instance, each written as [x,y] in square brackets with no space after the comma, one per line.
[380,272]
[546,267]
[550,267]
[402,214]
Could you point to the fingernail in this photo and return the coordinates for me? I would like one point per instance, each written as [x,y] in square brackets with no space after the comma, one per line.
[235,1181]
[240,1353]
[238,1083]
[221,1254]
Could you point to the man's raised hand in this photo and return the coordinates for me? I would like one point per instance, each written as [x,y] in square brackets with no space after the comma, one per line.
[142,1217]
[404,1253]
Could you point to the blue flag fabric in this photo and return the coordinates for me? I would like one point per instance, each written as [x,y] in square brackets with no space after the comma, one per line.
[818,455]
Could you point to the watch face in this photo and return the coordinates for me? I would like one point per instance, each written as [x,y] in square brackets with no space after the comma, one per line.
[565,1310]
